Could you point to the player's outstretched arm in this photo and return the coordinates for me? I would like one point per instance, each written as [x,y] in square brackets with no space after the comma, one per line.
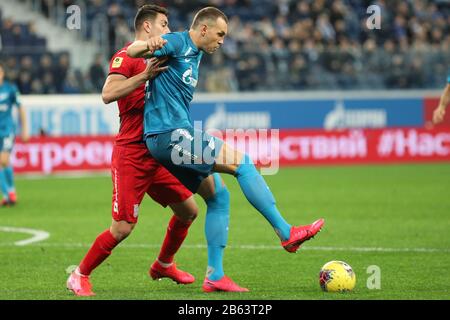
[23,124]
[117,86]
[22,115]
[145,49]
[439,112]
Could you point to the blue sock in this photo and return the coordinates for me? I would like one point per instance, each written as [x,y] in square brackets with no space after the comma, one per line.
[9,175]
[258,194]
[216,228]
[3,184]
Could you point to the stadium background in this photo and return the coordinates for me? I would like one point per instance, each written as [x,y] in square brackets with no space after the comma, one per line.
[338,92]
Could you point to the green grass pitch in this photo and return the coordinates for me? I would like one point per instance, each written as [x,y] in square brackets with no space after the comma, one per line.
[396,217]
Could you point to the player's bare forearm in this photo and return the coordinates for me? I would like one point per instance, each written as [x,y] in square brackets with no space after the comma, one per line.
[139,49]
[118,86]
[23,124]
[445,97]
[439,112]
[145,49]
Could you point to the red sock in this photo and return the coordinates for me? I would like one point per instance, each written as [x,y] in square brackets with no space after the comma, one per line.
[176,233]
[99,251]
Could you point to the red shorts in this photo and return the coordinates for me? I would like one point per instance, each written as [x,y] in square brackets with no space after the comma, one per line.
[134,173]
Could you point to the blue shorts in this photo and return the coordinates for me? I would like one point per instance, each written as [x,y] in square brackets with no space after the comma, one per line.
[189,154]
[7,143]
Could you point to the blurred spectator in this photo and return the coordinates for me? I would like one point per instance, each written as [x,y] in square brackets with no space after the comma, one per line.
[48,84]
[221,80]
[71,83]
[60,72]
[45,64]
[97,73]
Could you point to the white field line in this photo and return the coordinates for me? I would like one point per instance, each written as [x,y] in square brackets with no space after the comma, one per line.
[252,247]
[38,235]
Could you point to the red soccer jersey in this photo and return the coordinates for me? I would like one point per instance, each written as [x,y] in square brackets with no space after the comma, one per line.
[131,108]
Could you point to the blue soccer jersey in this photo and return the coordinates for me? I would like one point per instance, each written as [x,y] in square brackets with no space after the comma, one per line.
[168,96]
[9,98]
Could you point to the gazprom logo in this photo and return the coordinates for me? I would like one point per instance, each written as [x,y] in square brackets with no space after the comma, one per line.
[189,79]
[341,118]
[223,119]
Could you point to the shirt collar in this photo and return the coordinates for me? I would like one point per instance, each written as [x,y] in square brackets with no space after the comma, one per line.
[190,42]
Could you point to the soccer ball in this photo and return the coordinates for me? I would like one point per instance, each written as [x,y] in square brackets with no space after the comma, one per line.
[337,276]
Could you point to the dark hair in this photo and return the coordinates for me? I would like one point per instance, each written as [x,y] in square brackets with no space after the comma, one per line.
[148,12]
[208,13]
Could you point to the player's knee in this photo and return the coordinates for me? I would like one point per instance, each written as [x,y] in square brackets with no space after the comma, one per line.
[121,229]
[188,213]
[121,234]
[191,214]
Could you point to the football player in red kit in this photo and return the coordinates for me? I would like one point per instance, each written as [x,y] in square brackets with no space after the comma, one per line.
[135,172]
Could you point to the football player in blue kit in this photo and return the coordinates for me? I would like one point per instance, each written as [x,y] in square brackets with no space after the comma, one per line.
[191,154]
[9,99]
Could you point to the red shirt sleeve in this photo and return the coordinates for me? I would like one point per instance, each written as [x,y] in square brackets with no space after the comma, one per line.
[121,64]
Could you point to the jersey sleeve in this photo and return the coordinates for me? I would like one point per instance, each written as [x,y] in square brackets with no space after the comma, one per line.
[173,46]
[121,64]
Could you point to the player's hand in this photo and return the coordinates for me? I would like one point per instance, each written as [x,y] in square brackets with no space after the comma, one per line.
[154,67]
[438,115]
[155,43]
